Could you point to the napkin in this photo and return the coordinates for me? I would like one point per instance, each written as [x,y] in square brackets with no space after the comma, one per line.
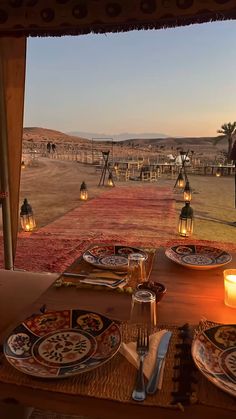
[129,351]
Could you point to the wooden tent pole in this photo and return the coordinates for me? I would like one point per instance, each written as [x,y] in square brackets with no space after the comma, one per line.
[12,86]
[4,176]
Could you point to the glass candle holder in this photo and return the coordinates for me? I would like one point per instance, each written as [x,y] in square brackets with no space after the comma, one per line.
[230,287]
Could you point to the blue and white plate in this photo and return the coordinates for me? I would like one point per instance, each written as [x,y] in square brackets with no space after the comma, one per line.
[196,256]
[110,256]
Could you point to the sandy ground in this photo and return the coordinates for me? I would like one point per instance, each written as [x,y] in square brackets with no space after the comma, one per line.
[52,188]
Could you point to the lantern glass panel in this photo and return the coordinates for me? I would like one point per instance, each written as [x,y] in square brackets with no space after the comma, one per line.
[185,227]
[187,195]
[110,181]
[84,195]
[180,182]
[27,222]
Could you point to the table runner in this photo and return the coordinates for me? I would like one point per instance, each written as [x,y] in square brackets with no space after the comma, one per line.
[115,379]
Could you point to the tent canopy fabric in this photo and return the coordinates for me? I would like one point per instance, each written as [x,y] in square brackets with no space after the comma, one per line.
[73,17]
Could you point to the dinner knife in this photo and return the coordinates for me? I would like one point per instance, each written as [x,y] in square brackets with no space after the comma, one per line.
[114,283]
[81,276]
[160,356]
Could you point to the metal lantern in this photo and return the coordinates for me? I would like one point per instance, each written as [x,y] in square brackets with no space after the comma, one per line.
[83,192]
[218,172]
[186,221]
[187,192]
[110,180]
[180,180]
[22,165]
[27,217]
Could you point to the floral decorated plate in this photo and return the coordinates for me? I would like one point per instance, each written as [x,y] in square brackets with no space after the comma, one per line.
[62,343]
[110,256]
[214,353]
[198,256]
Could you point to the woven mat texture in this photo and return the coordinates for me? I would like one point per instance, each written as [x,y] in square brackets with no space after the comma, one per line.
[115,380]
[40,414]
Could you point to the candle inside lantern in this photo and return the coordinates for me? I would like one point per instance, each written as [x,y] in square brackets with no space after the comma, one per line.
[27,217]
[230,287]
[83,192]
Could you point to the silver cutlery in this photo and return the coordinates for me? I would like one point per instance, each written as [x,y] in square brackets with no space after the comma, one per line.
[139,393]
[162,349]
[80,275]
[96,281]
[103,281]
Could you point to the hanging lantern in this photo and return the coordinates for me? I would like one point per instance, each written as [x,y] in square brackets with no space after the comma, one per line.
[83,192]
[180,180]
[187,192]
[27,217]
[218,172]
[22,165]
[186,221]
[110,180]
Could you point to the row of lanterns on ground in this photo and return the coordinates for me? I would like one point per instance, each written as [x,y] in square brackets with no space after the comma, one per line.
[84,190]
[28,223]
[27,218]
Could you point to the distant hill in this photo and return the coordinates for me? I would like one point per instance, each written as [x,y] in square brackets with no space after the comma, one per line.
[201,145]
[45,134]
[117,137]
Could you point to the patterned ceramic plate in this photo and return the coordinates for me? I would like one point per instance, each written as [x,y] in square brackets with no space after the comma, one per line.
[110,256]
[197,256]
[62,343]
[214,353]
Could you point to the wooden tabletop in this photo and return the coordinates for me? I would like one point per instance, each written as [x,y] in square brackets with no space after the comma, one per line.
[191,295]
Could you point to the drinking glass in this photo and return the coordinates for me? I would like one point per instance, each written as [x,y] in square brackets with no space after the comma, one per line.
[136,268]
[143,309]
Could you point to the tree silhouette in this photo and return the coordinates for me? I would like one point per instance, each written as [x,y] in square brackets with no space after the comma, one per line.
[228,130]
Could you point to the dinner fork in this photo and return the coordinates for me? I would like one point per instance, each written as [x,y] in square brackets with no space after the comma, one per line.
[139,393]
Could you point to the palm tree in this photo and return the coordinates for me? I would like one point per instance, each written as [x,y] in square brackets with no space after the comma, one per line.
[228,130]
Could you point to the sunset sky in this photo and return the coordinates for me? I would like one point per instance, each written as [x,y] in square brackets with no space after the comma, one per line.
[181,82]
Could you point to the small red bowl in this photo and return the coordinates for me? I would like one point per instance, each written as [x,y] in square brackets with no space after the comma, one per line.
[158,288]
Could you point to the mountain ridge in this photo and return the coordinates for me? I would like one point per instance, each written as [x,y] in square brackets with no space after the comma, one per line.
[34,134]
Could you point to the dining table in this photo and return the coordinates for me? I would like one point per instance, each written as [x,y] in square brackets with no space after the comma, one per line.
[194,297]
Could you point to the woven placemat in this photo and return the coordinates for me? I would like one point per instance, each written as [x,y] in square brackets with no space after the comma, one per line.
[41,414]
[80,265]
[182,383]
[113,381]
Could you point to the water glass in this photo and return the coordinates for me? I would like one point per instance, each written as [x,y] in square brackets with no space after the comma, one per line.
[143,309]
[136,268]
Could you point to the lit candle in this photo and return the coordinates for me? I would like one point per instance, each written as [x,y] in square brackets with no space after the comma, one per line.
[230,287]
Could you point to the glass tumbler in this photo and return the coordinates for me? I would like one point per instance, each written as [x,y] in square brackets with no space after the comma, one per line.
[136,268]
[143,309]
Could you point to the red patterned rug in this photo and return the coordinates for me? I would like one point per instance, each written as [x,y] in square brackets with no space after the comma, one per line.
[143,216]
[145,213]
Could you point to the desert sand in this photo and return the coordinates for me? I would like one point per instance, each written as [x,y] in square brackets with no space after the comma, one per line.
[52,185]
[52,188]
